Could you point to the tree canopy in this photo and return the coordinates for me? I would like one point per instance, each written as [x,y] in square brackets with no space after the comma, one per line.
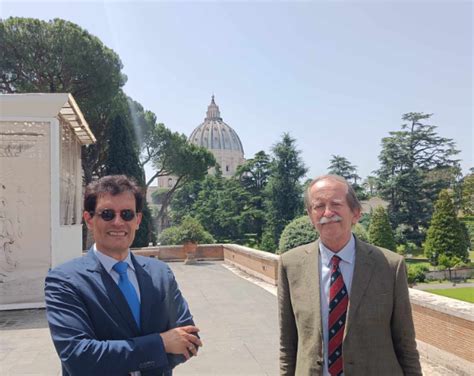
[446,235]
[283,192]
[380,231]
[416,163]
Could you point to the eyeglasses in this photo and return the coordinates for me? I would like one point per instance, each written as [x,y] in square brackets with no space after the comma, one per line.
[109,214]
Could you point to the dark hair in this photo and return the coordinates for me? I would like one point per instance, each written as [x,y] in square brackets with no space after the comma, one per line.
[114,185]
[351,196]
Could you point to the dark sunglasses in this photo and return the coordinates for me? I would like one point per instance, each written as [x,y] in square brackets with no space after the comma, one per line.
[109,214]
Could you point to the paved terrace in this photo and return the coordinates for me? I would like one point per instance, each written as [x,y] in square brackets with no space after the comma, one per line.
[237,318]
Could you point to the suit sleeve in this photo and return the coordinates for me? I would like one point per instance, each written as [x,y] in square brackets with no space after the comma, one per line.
[81,353]
[403,331]
[288,331]
[179,313]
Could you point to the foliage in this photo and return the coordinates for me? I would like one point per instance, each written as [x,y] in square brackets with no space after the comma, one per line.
[222,205]
[416,164]
[60,57]
[253,176]
[445,235]
[365,220]
[360,231]
[416,273]
[380,231]
[469,227]
[370,186]
[408,248]
[157,195]
[299,231]
[189,230]
[283,192]
[449,262]
[171,155]
[122,158]
[145,234]
[122,155]
[341,166]
[467,195]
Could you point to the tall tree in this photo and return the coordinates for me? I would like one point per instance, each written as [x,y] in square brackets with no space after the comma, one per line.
[370,185]
[416,164]
[122,158]
[283,193]
[342,167]
[380,231]
[445,235]
[253,176]
[59,56]
[467,195]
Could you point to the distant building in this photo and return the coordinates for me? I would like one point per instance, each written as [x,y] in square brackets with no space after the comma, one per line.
[220,139]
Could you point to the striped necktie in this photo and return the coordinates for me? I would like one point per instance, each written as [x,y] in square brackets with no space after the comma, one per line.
[128,290]
[338,300]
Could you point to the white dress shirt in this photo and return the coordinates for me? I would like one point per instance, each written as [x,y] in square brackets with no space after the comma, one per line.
[108,264]
[347,255]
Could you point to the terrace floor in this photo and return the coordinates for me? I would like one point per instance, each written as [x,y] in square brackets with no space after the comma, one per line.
[237,317]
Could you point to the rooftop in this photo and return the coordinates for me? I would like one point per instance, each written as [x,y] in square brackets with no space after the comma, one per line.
[237,317]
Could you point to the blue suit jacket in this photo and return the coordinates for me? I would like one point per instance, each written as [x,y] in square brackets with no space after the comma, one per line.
[93,328]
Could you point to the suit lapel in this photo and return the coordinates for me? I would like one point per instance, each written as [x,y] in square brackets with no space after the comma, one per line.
[310,276]
[146,292]
[363,270]
[110,289]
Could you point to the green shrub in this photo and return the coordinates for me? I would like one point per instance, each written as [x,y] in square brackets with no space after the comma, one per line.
[407,248]
[446,234]
[380,231]
[169,236]
[416,273]
[360,231]
[298,232]
[189,230]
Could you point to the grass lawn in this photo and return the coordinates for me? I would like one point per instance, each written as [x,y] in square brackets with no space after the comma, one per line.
[462,293]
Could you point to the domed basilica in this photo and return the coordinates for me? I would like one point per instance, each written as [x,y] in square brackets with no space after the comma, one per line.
[220,139]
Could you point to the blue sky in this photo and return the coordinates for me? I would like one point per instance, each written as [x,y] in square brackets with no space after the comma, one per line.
[336,75]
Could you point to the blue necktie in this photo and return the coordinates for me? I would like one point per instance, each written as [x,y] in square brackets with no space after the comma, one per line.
[128,290]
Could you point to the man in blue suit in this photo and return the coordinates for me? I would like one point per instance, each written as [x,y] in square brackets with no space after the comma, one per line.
[113,313]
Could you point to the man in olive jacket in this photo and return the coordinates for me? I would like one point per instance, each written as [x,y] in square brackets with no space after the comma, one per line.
[377,335]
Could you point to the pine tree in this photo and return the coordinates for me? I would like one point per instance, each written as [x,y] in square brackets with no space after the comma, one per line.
[283,192]
[380,231]
[122,159]
[415,164]
[445,235]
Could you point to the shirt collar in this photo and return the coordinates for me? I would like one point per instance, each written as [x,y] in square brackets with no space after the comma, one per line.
[108,262]
[347,253]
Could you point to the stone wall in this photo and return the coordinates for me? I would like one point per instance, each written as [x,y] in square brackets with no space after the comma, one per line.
[176,252]
[446,324]
[463,273]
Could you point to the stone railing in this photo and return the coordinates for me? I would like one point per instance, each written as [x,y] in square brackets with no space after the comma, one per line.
[171,253]
[260,264]
[444,330]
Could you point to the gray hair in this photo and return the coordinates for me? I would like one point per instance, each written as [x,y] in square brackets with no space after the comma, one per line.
[351,196]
